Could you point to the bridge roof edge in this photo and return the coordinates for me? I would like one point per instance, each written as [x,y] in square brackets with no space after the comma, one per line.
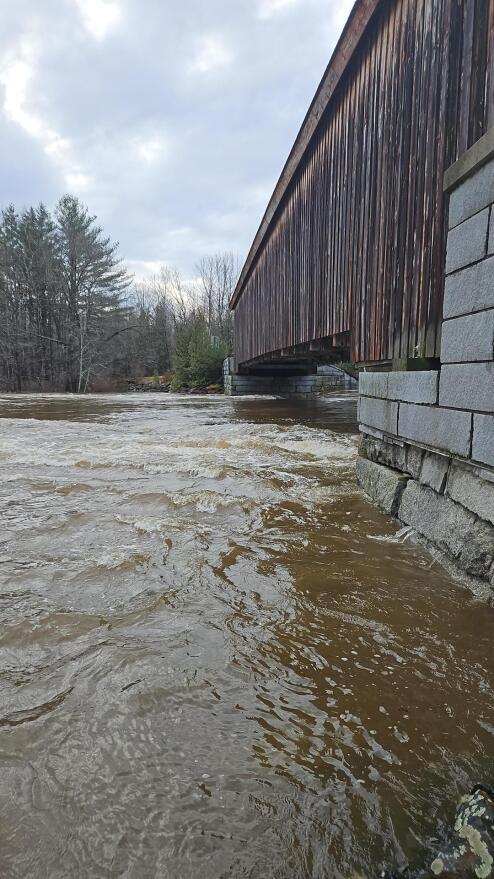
[360,16]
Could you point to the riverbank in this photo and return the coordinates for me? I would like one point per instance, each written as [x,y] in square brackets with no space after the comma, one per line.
[165,388]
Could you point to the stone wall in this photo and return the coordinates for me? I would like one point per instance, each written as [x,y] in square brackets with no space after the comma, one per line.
[427,442]
[326,380]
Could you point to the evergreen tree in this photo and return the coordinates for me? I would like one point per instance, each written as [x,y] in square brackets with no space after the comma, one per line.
[198,361]
[92,280]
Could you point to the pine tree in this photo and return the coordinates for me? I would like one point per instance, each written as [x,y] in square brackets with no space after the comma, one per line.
[92,280]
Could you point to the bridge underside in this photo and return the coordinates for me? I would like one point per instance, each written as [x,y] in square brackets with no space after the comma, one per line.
[300,359]
[306,370]
[307,357]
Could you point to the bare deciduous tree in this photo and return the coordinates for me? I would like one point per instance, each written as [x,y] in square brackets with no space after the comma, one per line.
[218,276]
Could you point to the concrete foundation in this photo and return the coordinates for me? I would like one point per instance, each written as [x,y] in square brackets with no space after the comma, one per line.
[427,445]
[304,386]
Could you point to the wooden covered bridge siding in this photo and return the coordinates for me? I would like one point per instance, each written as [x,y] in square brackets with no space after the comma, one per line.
[353,238]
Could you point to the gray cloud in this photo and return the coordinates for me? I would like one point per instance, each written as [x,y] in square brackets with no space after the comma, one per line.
[170,120]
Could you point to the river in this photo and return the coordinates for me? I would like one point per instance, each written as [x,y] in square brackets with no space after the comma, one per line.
[216,658]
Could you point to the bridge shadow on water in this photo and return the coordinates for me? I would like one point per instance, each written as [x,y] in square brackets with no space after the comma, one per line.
[336,412]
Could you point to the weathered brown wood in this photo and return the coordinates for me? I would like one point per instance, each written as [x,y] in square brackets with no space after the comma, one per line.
[352,34]
[353,238]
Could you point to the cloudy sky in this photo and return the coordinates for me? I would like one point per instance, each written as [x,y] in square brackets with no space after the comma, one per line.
[170,119]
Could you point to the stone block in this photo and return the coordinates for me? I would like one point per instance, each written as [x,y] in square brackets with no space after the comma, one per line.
[364,443]
[370,431]
[450,527]
[490,244]
[383,485]
[413,387]
[467,386]
[468,338]
[414,459]
[472,492]
[329,369]
[374,384]
[433,426]
[467,243]
[469,290]
[383,452]
[434,471]
[475,193]
[381,414]
[483,439]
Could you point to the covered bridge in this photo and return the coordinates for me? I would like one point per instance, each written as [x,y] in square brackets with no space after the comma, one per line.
[348,262]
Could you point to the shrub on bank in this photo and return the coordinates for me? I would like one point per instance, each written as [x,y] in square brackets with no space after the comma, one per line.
[198,359]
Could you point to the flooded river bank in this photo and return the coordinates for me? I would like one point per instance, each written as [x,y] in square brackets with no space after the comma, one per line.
[215,658]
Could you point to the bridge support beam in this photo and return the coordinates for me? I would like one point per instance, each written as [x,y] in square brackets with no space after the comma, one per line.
[427,445]
[294,382]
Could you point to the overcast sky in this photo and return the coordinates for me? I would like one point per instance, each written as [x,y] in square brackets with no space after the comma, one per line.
[170,119]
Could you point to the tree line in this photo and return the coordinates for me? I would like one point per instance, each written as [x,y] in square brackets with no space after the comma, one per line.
[73,319]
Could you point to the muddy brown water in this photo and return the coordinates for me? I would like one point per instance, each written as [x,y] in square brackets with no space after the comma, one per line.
[216,658]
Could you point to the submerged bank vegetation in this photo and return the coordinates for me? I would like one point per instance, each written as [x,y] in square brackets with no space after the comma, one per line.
[73,319]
